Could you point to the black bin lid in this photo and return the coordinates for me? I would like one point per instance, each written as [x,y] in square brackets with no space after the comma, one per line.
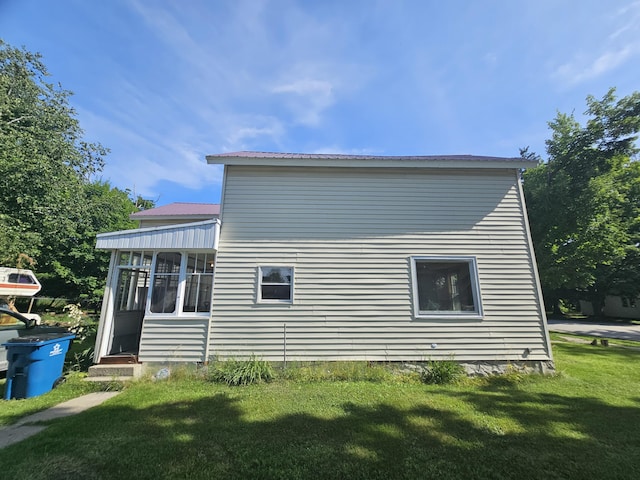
[42,337]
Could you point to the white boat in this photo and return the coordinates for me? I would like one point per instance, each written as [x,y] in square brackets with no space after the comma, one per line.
[18,282]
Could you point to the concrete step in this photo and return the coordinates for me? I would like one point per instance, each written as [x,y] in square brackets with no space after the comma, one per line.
[126,371]
[107,379]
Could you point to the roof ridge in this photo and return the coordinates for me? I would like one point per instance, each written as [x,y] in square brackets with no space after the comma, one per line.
[357,156]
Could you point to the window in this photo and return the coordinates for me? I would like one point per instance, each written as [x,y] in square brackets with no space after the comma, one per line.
[275,284]
[22,278]
[166,279]
[131,291]
[180,283]
[628,302]
[199,282]
[133,280]
[445,287]
[135,259]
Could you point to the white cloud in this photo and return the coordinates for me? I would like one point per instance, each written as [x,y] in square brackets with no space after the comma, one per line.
[143,174]
[247,130]
[307,98]
[618,48]
[224,79]
[582,69]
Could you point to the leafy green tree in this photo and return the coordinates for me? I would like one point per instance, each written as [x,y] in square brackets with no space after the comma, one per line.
[79,270]
[583,202]
[50,207]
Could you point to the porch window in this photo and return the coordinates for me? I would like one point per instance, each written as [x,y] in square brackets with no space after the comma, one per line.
[445,287]
[135,259]
[133,280]
[275,284]
[131,291]
[166,279]
[199,282]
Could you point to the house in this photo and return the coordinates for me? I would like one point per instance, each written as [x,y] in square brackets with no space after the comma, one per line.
[615,306]
[335,257]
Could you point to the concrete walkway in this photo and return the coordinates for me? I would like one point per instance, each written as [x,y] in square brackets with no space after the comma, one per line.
[623,331]
[29,426]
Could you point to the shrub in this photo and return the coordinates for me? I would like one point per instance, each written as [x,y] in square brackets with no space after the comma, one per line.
[80,356]
[241,372]
[442,371]
[79,361]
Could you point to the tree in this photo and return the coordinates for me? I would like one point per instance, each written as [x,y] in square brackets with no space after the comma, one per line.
[79,270]
[50,206]
[583,202]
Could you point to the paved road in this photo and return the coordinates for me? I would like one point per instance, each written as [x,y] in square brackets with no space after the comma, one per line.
[608,330]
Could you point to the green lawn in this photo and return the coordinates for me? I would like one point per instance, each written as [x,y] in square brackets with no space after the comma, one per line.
[583,424]
[11,411]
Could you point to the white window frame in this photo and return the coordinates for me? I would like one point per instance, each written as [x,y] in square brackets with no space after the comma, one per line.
[209,258]
[471,261]
[125,261]
[180,275]
[261,300]
[182,281]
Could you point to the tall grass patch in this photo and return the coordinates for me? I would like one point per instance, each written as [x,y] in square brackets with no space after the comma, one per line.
[440,372]
[347,372]
[241,372]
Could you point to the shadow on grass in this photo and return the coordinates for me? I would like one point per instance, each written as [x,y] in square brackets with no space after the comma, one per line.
[495,433]
[614,353]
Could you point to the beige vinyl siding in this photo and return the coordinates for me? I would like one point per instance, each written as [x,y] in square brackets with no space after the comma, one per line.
[350,235]
[173,339]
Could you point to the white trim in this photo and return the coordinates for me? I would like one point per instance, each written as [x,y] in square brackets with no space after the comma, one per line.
[534,267]
[259,298]
[207,348]
[182,282]
[369,161]
[223,191]
[475,289]
[106,312]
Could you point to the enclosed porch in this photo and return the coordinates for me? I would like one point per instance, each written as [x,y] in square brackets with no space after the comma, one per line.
[157,300]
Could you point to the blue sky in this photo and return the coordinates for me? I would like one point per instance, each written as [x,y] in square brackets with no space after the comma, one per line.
[163,83]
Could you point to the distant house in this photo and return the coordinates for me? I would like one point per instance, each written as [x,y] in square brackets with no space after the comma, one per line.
[333,257]
[614,306]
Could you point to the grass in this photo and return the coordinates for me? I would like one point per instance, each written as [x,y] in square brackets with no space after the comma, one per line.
[75,386]
[581,423]
[12,411]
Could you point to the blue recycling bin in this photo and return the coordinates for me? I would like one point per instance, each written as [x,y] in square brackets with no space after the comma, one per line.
[35,363]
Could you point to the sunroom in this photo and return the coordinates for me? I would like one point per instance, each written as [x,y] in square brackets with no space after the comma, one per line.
[157,300]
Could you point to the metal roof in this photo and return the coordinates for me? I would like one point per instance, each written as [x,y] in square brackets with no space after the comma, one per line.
[186,236]
[343,160]
[179,210]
